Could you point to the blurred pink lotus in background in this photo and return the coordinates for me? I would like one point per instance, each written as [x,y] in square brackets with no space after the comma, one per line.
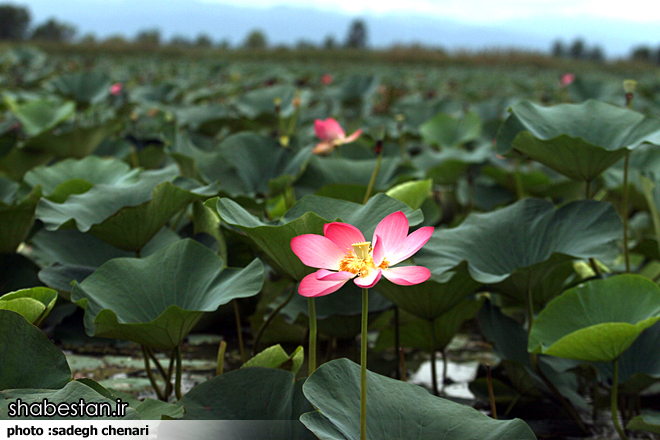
[327,79]
[116,89]
[567,79]
[331,135]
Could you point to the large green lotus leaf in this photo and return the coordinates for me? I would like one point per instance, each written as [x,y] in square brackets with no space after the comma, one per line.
[322,171]
[8,190]
[27,357]
[639,366]
[125,215]
[208,165]
[528,232]
[447,166]
[545,280]
[647,421]
[16,220]
[33,304]
[206,119]
[276,357]
[92,169]
[430,335]
[262,101]
[38,116]
[157,300]
[395,410]
[577,140]
[308,216]
[509,340]
[447,131]
[73,255]
[411,193]
[74,391]
[254,394]
[20,160]
[598,320]
[77,142]
[83,87]
[432,298]
[259,160]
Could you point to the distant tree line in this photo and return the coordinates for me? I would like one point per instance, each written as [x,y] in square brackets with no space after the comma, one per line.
[577,50]
[646,54]
[15,26]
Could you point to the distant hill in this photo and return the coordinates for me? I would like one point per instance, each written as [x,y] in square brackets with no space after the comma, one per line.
[287,25]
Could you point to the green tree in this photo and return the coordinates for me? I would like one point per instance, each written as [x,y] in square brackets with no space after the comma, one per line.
[148,37]
[558,50]
[577,49]
[14,22]
[203,40]
[255,40]
[641,53]
[329,42]
[357,35]
[53,30]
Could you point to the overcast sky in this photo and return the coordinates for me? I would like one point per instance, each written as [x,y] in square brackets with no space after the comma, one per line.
[481,11]
[453,24]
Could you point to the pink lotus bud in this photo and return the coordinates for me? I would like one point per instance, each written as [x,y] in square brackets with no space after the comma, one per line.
[567,79]
[327,79]
[116,89]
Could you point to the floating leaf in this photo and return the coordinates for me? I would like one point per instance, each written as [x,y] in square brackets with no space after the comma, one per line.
[27,358]
[577,140]
[395,409]
[38,116]
[16,220]
[447,131]
[157,300]
[276,357]
[125,215]
[527,240]
[33,304]
[598,320]
[83,87]
[413,193]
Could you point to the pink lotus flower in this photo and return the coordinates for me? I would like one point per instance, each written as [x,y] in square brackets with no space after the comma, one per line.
[116,88]
[327,79]
[331,135]
[342,254]
[567,79]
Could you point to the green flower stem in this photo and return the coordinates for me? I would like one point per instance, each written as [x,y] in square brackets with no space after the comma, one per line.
[221,358]
[270,318]
[615,396]
[587,189]
[161,370]
[179,373]
[397,339]
[147,369]
[491,394]
[624,210]
[312,335]
[373,178]
[170,370]
[237,314]
[363,363]
[434,367]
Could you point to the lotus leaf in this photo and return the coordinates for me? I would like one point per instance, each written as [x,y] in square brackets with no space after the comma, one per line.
[157,300]
[395,409]
[598,320]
